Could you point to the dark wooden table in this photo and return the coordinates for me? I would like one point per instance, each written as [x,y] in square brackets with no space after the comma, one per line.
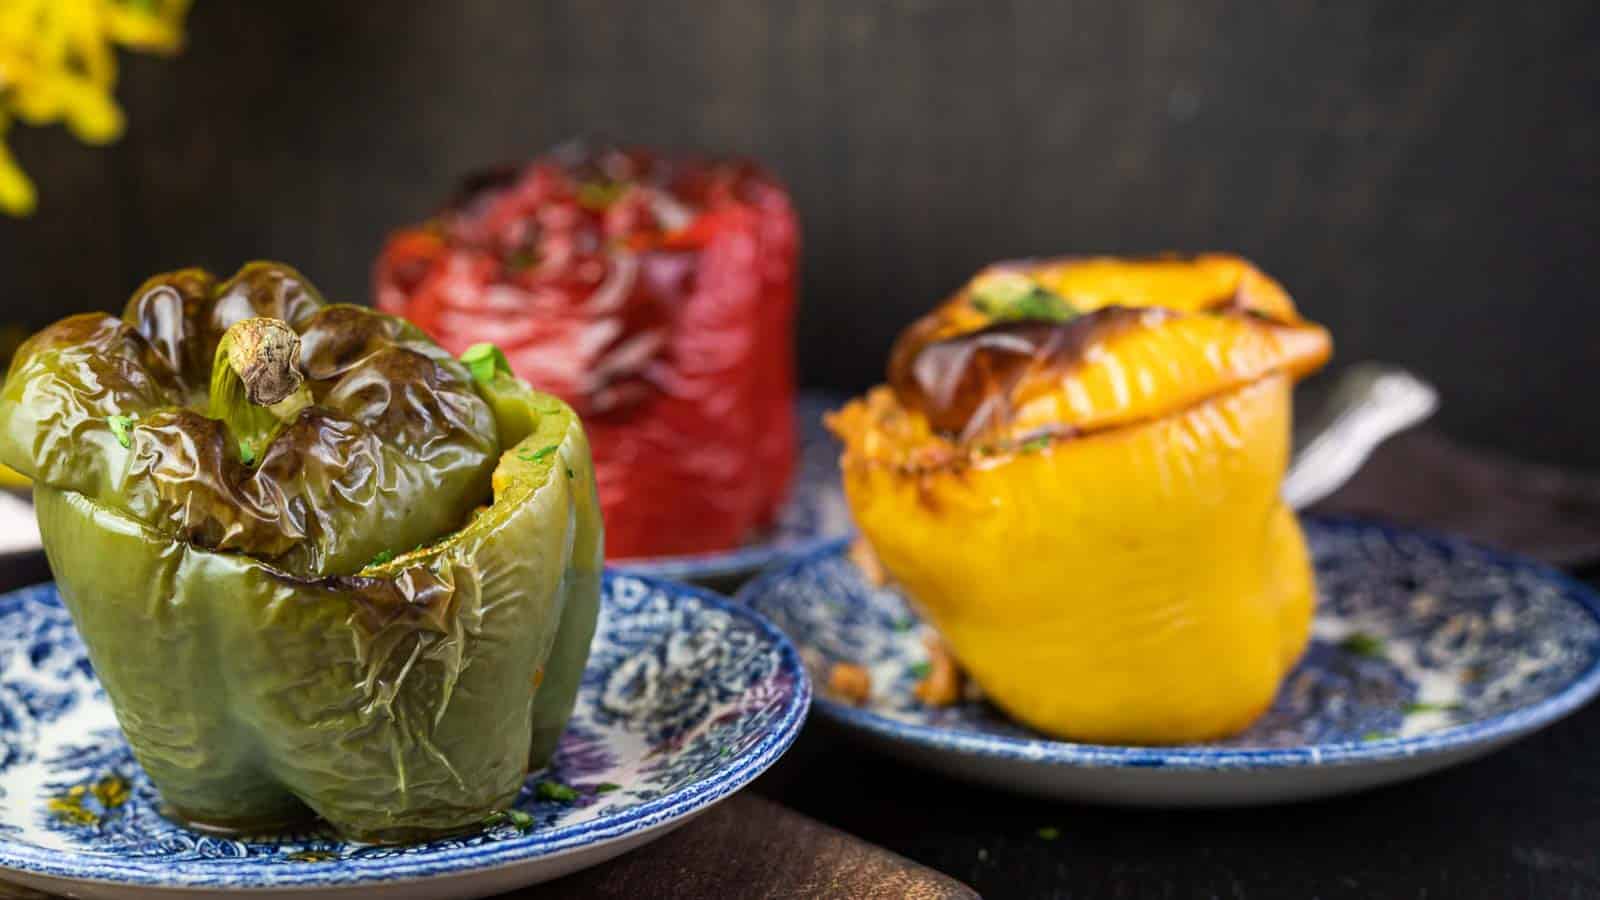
[1522,823]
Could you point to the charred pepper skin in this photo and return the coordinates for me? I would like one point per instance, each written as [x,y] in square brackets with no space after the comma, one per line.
[341,626]
[1075,475]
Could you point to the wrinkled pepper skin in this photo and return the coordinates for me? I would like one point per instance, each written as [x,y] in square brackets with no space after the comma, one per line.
[1087,509]
[656,295]
[270,641]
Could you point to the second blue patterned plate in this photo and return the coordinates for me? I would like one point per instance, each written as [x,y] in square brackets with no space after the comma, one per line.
[1426,651]
[686,698]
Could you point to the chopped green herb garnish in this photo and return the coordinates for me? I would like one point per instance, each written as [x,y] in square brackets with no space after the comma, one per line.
[606,787]
[905,625]
[537,455]
[920,669]
[485,361]
[1371,736]
[522,260]
[1036,443]
[1049,832]
[514,817]
[1013,296]
[122,428]
[597,195]
[247,453]
[1419,706]
[1041,304]
[556,791]
[1359,643]
[384,556]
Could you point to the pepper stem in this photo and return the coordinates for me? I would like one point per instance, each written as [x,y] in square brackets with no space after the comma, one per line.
[256,382]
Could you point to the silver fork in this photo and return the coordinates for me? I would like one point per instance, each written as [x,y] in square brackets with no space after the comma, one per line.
[1369,404]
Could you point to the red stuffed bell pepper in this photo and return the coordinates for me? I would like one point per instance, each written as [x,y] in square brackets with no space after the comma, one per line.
[656,297]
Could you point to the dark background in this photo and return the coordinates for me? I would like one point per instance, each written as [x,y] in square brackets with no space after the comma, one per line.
[1421,176]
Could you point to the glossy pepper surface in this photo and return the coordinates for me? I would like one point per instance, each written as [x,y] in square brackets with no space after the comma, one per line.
[1074,473]
[657,297]
[318,562]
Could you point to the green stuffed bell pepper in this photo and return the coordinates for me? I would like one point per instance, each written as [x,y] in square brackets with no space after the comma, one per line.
[317,561]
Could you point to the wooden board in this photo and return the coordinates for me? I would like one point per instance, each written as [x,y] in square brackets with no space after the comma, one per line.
[747,847]
[750,847]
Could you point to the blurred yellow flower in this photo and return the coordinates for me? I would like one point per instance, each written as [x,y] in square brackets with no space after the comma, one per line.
[58,64]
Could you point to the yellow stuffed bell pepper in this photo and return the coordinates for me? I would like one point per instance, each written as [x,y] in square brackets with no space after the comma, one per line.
[1074,474]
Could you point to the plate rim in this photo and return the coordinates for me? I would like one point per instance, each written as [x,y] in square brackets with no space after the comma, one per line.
[1192,758]
[740,770]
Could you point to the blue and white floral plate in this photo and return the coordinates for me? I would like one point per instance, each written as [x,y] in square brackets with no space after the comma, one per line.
[1426,651]
[687,697]
[814,514]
